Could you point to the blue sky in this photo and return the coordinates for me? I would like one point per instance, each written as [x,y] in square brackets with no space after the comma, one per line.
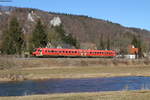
[130,13]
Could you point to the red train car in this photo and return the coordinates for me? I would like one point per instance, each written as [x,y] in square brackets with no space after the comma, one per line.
[55,52]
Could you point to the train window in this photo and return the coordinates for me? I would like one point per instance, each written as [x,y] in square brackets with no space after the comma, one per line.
[34,50]
[75,52]
[39,50]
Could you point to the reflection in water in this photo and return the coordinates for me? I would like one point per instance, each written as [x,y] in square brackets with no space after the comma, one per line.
[74,85]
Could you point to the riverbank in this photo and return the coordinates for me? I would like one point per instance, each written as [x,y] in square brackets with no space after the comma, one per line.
[41,73]
[119,95]
[19,69]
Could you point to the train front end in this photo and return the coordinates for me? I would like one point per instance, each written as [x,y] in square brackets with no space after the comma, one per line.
[37,52]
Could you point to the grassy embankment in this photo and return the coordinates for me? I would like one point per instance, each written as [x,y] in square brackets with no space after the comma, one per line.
[120,95]
[44,68]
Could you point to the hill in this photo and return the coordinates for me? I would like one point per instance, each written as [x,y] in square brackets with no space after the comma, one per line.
[90,32]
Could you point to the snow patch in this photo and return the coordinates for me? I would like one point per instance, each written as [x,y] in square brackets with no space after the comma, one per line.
[30,18]
[56,21]
[1,13]
[7,12]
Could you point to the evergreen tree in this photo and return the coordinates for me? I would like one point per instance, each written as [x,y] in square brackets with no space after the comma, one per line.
[101,45]
[70,40]
[66,38]
[135,41]
[108,43]
[138,44]
[53,37]
[39,35]
[13,38]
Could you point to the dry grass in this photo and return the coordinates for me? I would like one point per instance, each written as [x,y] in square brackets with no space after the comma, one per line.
[120,95]
[13,68]
[74,72]
[7,62]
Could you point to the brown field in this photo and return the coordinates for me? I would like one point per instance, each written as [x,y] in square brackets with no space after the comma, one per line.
[12,68]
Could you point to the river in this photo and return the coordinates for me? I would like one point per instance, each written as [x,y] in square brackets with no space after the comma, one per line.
[50,86]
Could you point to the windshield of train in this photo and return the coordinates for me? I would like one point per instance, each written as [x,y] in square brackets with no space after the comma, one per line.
[34,50]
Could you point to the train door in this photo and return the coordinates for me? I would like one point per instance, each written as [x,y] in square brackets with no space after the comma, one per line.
[83,53]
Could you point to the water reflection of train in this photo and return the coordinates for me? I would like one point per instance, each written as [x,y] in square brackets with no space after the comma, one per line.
[55,52]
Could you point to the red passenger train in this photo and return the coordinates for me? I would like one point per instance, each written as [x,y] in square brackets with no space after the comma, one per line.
[55,52]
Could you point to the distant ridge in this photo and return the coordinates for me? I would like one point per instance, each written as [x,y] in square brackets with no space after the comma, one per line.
[88,31]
